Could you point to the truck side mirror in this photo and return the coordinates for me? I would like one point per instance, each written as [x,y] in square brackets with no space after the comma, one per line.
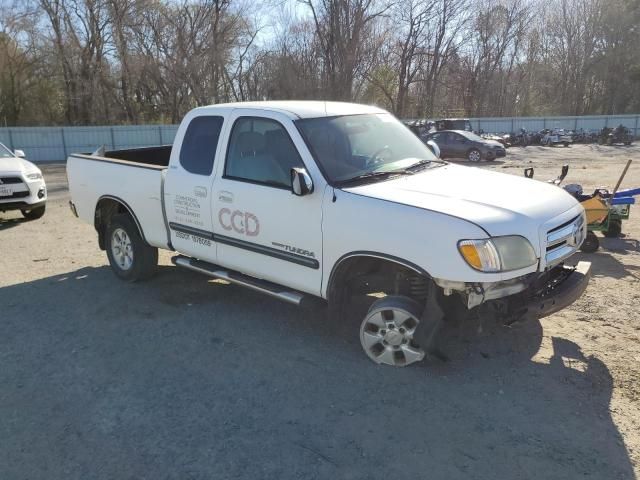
[19,153]
[563,173]
[301,183]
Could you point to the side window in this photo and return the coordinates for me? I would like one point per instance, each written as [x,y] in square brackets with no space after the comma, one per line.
[261,151]
[199,144]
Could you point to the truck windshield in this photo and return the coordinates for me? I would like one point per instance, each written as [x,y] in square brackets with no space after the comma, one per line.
[353,146]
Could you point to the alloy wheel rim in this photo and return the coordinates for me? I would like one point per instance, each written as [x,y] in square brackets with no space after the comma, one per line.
[387,337]
[122,248]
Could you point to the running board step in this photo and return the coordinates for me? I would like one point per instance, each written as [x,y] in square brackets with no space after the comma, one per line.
[258,285]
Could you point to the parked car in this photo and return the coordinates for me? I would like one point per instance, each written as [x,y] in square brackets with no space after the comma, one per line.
[22,185]
[555,137]
[315,200]
[461,144]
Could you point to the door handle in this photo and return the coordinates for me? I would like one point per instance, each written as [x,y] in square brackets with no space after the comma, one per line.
[225,196]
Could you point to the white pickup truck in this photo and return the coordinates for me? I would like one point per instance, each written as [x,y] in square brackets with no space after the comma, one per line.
[304,200]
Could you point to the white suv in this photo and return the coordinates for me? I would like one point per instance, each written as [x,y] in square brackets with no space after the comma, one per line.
[22,186]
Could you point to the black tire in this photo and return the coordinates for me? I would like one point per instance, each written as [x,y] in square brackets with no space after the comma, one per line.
[474,155]
[614,230]
[590,244]
[565,144]
[34,213]
[144,257]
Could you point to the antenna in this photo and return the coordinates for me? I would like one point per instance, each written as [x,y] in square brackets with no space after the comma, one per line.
[325,109]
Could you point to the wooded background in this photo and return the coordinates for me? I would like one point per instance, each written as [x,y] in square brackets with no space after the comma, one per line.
[92,62]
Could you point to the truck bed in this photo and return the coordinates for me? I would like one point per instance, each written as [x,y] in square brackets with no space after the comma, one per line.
[158,155]
[133,177]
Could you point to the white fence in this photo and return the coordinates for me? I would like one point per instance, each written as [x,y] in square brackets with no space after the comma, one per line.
[43,144]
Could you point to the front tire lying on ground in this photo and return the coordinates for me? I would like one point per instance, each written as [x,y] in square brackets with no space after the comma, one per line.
[34,213]
[387,331]
[130,257]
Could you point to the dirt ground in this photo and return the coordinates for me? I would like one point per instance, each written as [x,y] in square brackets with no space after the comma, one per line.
[183,378]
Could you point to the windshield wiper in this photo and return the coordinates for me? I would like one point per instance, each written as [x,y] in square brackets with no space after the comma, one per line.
[420,164]
[373,175]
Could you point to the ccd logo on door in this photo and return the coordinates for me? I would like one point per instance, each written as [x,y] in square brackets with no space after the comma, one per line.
[244,223]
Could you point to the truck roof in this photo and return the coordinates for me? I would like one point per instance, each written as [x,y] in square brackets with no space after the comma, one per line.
[300,108]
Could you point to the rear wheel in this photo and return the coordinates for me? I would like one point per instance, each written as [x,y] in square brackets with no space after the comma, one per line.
[474,155]
[566,144]
[388,330]
[590,244]
[34,213]
[130,257]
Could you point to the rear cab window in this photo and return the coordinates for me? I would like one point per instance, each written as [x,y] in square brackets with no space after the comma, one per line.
[199,144]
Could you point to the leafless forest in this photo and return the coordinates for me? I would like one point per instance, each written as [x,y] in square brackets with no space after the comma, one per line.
[83,62]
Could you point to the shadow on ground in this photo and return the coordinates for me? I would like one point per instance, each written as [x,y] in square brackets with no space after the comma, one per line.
[181,378]
[6,223]
[604,264]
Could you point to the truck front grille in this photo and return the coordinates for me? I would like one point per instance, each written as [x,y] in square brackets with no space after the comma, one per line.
[564,240]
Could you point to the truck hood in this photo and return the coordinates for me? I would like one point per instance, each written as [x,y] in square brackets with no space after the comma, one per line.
[499,203]
[15,165]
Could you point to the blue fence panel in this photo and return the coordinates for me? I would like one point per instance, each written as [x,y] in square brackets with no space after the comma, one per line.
[532,124]
[168,133]
[137,136]
[38,143]
[86,139]
[591,123]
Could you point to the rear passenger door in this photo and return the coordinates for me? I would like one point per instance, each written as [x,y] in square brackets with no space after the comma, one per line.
[261,228]
[187,188]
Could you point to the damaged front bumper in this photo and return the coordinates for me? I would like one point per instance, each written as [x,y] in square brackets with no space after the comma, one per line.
[557,290]
[531,297]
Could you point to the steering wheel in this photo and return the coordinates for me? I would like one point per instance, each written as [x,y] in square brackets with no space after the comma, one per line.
[375,158]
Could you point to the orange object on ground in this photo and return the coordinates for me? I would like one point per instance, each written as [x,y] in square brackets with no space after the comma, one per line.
[596,210]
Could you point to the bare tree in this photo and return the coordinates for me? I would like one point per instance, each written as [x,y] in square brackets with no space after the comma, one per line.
[342,27]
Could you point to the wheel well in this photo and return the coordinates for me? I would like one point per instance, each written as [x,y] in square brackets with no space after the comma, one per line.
[106,209]
[366,274]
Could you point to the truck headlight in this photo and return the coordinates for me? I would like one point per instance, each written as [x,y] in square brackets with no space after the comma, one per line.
[498,254]
[34,176]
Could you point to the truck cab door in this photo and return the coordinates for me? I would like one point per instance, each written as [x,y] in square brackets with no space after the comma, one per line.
[261,228]
[188,183]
